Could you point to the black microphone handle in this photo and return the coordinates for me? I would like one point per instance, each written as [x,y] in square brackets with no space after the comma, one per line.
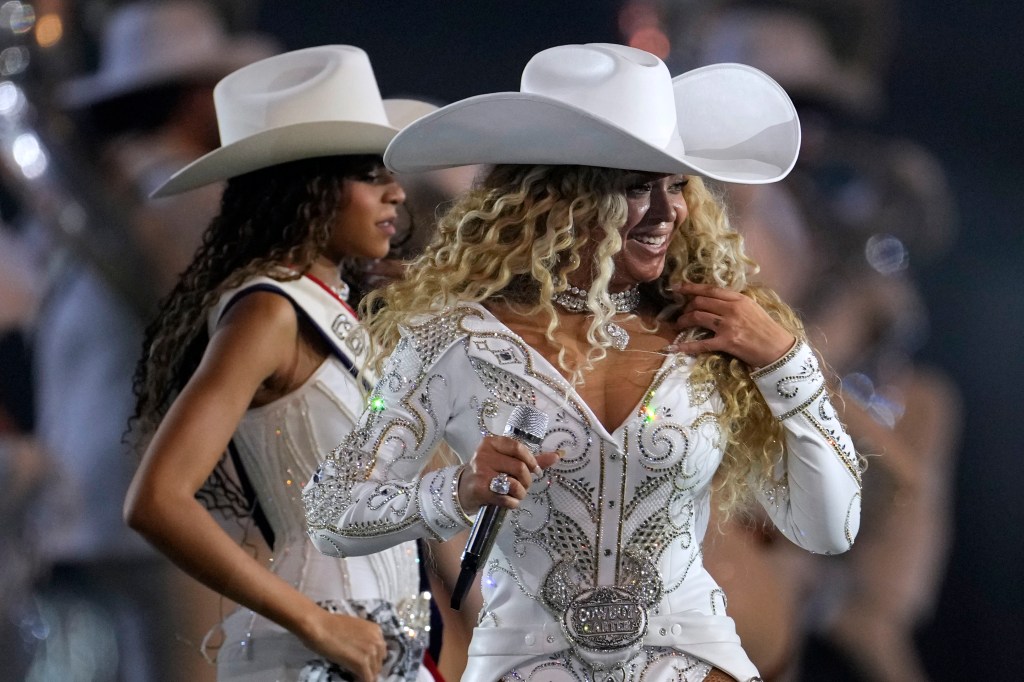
[527,425]
[481,539]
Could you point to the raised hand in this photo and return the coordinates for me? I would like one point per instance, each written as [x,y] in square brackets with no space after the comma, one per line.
[740,326]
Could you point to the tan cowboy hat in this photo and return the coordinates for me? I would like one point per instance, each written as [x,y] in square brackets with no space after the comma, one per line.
[319,101]
[615,106]
[148,44]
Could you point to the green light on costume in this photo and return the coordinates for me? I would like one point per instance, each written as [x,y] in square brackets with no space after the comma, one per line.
[377,404]
[648,414]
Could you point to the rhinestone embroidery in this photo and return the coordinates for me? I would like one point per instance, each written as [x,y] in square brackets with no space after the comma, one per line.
[596,530]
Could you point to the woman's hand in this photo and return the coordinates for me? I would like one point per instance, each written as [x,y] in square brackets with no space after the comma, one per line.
[500,455]
[741,327]
[354,643]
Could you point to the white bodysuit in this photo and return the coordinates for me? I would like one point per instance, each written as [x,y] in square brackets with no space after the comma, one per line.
[598,573]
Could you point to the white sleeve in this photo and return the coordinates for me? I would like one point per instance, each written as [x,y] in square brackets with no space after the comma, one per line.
[816,504]
[371,492]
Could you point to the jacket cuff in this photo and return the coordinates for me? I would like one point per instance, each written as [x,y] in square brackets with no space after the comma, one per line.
[439,502]
[792,382]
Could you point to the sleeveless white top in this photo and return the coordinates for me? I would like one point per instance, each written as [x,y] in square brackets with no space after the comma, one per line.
[280,445]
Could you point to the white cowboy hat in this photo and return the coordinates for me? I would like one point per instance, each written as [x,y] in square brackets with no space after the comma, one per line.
[618,107]
[319,101]
[149,44]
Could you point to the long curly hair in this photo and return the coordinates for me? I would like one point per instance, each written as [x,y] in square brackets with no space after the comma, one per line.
[281,215]
[517,237]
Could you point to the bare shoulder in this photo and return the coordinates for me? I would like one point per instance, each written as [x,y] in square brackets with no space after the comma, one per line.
[260,315]
[260,329]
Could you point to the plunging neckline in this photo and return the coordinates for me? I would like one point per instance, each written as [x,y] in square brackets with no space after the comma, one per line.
[571,390]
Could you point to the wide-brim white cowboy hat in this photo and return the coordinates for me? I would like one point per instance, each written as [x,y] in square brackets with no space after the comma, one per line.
[319,101]
[148,44]
[617,107]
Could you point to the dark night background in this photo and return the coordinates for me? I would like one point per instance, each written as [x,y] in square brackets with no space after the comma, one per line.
[954,86]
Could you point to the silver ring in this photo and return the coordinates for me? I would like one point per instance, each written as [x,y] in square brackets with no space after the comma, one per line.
[500,484]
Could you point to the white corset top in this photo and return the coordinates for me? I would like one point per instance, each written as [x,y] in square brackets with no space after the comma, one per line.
[280,444]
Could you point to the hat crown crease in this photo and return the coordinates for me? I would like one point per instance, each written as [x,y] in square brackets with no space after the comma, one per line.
[627,87]
[318,84]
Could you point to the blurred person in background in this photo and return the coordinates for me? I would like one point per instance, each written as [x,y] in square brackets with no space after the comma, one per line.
[23,466]
[105,605]
[836,238]
[256,353]
[21,283]
[879,201]
[764,577]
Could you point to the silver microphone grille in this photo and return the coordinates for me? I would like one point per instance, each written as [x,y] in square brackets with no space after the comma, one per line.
[527,424]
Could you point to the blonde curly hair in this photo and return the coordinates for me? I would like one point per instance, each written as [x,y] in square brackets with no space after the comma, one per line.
[523,230]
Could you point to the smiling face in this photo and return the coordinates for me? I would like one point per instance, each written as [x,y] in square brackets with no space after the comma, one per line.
[654,205]
[366,222]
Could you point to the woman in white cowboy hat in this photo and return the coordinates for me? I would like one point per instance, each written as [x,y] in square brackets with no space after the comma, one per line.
[257,353]
[147,111]
[592,276]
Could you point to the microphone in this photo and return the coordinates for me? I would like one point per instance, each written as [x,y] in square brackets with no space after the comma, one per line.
[527,425]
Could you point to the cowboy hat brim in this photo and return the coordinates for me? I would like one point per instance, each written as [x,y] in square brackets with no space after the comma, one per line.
[279,145]
[738,126]
[291,143]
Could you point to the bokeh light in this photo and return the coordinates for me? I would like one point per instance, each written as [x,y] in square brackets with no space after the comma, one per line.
[17,16]
[49,30]
[12,100]
[13,60]
[30,156]
[886,254]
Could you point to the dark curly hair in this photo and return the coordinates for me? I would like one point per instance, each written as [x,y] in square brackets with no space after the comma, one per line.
[276,215]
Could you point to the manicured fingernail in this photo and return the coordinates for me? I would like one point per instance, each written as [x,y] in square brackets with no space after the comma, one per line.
[560,452]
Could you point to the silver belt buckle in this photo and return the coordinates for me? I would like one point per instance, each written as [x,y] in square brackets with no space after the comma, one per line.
[607,624]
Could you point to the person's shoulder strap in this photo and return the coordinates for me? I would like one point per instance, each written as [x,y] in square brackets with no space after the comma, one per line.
[337,323]
[334,319]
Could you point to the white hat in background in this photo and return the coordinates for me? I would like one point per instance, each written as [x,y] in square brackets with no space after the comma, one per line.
[792,47]
[148,44]
[615,106]
[319,101]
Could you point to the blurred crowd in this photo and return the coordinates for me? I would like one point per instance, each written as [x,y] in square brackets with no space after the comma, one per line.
[101,102]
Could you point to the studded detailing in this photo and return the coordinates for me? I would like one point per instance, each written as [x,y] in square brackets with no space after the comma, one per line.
[574,300]
[599,567]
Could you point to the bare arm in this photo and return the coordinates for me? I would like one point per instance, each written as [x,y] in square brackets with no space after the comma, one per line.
[256,341]
[443,565]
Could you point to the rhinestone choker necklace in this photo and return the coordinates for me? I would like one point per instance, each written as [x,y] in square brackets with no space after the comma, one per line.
[574,300]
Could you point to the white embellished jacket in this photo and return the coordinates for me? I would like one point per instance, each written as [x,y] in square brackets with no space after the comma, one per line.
[604,554]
